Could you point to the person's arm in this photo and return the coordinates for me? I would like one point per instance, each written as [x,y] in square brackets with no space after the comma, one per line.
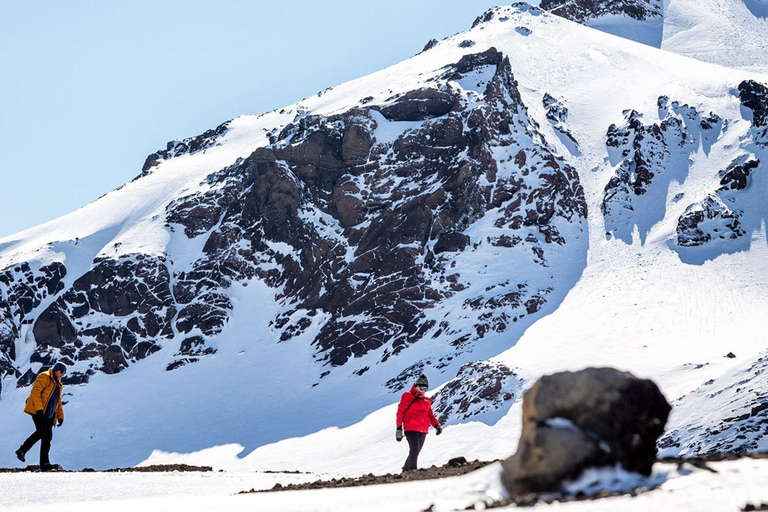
[433,419]
[60,407]
[36,396]
[401,410]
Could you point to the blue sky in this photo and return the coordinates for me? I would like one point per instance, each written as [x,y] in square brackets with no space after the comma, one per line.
[89,88]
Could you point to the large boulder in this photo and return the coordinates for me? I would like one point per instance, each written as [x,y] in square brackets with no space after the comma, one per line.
[575,420]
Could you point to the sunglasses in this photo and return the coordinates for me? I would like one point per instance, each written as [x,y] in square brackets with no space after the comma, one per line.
[423,388]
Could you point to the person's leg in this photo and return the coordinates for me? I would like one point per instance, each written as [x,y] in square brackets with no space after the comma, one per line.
[35,437]
[413,449]
[45,442]
[422,438]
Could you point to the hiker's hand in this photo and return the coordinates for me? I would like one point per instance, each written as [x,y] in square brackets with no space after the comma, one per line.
[399,434]
[60,423]
[39,414]
[439,430]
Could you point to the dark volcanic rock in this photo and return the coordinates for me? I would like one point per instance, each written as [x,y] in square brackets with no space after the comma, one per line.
[754,96]
[575,420]
[452,242]
[53,328]
[420,105]
[736,175]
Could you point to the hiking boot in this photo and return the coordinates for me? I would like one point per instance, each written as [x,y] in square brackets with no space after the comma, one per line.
[50,467]
[20,455]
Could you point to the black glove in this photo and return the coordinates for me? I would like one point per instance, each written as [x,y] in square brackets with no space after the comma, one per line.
[439,430]
[399,434]
[60,423]
[39,414]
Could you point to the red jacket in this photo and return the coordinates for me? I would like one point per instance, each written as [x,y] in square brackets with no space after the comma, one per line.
[419,415]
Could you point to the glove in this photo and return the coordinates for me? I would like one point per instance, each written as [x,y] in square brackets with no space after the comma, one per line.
[39,414]
[60,422]
[439,430]
[399,434]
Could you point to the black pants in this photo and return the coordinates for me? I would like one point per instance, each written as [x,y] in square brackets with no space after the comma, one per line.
[415,443]
[44,434]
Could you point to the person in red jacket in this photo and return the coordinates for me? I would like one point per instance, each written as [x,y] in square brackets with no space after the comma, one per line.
[414,414]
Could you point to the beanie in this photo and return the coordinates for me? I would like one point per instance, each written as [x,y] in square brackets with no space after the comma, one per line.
[422,381]
[59,367]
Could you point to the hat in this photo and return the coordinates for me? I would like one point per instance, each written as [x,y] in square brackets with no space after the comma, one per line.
[59,367]
[422,381]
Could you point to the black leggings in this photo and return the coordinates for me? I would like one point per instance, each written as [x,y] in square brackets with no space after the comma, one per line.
[44,434]
[415,443]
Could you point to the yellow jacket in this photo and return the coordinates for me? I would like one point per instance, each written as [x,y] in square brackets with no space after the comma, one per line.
[41,394]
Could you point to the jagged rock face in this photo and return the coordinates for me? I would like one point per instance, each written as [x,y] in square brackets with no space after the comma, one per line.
[356,220]
[644,151]
[396,207]
[583,10]
[479,388]
[22,290]
[718,217]
[741,399]
[754,96]
[648,157]
[188,146]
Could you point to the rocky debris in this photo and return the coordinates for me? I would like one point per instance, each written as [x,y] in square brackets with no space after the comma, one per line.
[738,428]
[431,473]
[162,468]
[754,96]
[467,43]
[479,387]
[158,468]
[188,146]
[749,507]
[581,11]
[590,418]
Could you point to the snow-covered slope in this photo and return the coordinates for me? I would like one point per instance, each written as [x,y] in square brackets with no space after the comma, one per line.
[518,199]
[732,33]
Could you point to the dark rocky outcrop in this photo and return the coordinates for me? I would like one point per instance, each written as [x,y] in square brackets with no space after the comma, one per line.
[480,387]
[584,10]
[754,96]
[574,420]
[188,146]
[420,105]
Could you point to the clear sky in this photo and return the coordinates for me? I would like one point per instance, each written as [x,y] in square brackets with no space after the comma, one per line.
[89,88]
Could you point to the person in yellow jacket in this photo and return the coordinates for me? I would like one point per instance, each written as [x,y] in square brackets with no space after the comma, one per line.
[44,405]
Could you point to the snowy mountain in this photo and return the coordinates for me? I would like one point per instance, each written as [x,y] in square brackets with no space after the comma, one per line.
[528,196]
[726,32]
